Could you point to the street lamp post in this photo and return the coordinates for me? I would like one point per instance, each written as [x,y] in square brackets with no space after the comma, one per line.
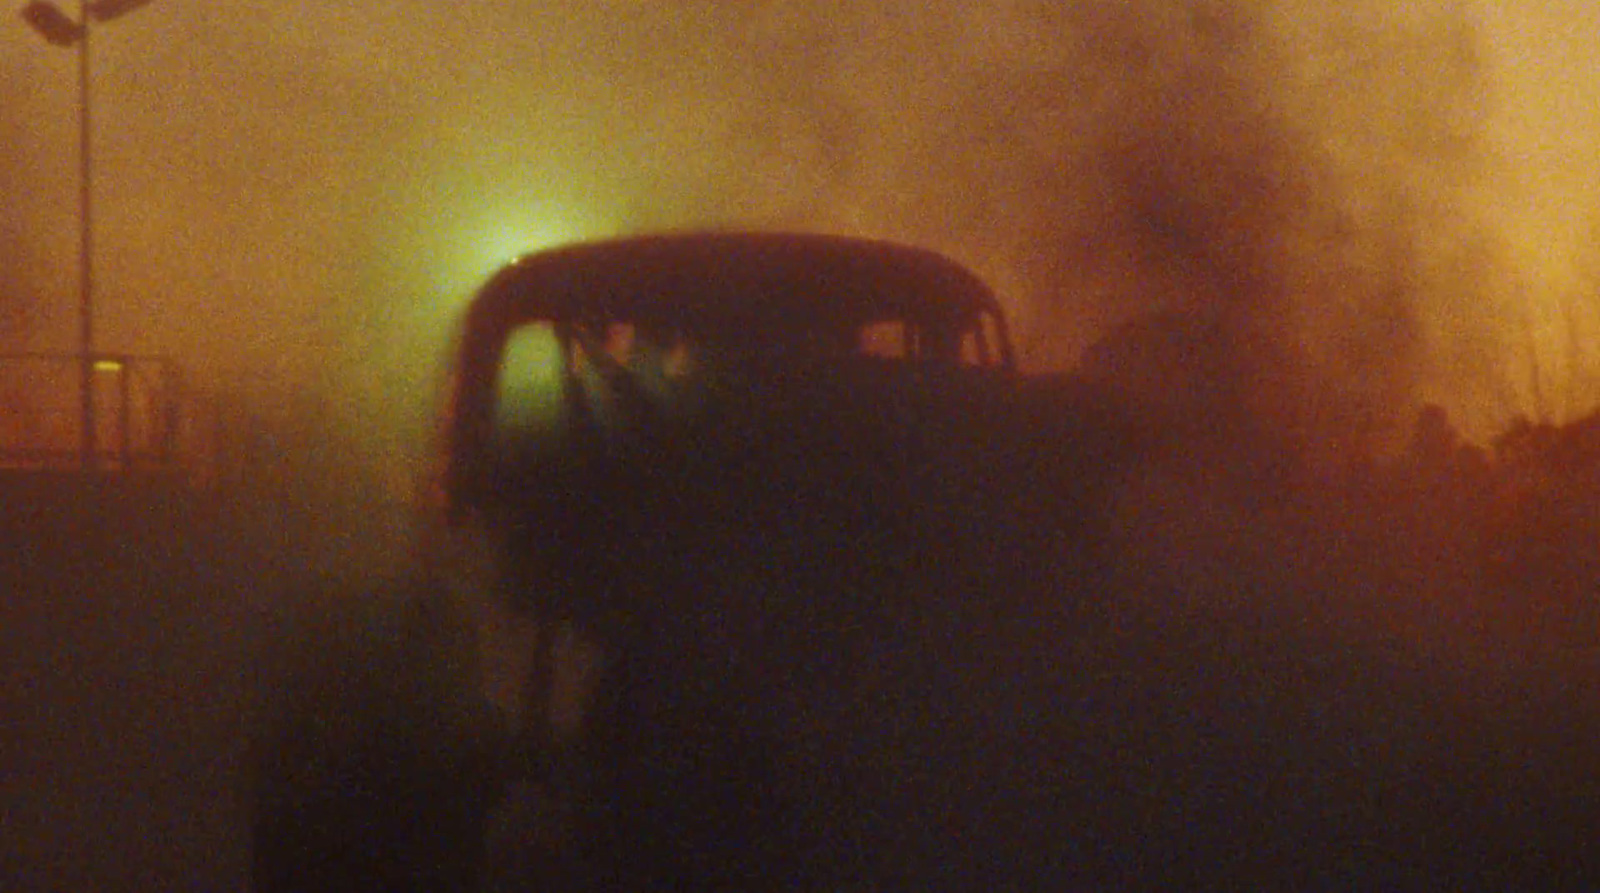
[57,28]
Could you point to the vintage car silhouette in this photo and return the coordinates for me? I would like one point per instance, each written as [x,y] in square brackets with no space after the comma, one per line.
[600,345]
[739,467]
[723,507]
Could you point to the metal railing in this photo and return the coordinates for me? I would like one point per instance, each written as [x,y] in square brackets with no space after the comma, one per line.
[139,420]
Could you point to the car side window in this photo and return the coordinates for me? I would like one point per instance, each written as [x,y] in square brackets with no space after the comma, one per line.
[530,394]
[885,339]
[599,369]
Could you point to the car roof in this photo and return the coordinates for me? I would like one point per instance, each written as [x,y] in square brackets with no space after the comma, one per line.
[717,280]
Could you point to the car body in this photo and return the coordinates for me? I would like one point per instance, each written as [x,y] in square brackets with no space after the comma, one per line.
[703,451]
[722,508]
[631,314]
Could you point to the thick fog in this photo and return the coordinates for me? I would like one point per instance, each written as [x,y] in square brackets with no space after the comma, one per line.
[1369,206]
[1314,220]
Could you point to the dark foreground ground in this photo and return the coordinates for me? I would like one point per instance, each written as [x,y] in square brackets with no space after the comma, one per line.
[1368,686]
[137,622]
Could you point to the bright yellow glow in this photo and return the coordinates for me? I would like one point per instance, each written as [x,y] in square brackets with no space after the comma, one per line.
[470,247]
[531,382]
[107,366]
[499,237]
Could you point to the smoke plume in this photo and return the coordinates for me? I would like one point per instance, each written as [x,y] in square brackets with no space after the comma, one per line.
[298,199]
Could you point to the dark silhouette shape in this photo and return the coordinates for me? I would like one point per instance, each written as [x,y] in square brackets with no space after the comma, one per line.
[771,549]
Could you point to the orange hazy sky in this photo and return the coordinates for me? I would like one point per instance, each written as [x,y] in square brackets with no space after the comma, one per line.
[294,194]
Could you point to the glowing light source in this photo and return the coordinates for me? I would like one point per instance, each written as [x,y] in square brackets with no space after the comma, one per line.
[108,365]
[484,242]
[514,232]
